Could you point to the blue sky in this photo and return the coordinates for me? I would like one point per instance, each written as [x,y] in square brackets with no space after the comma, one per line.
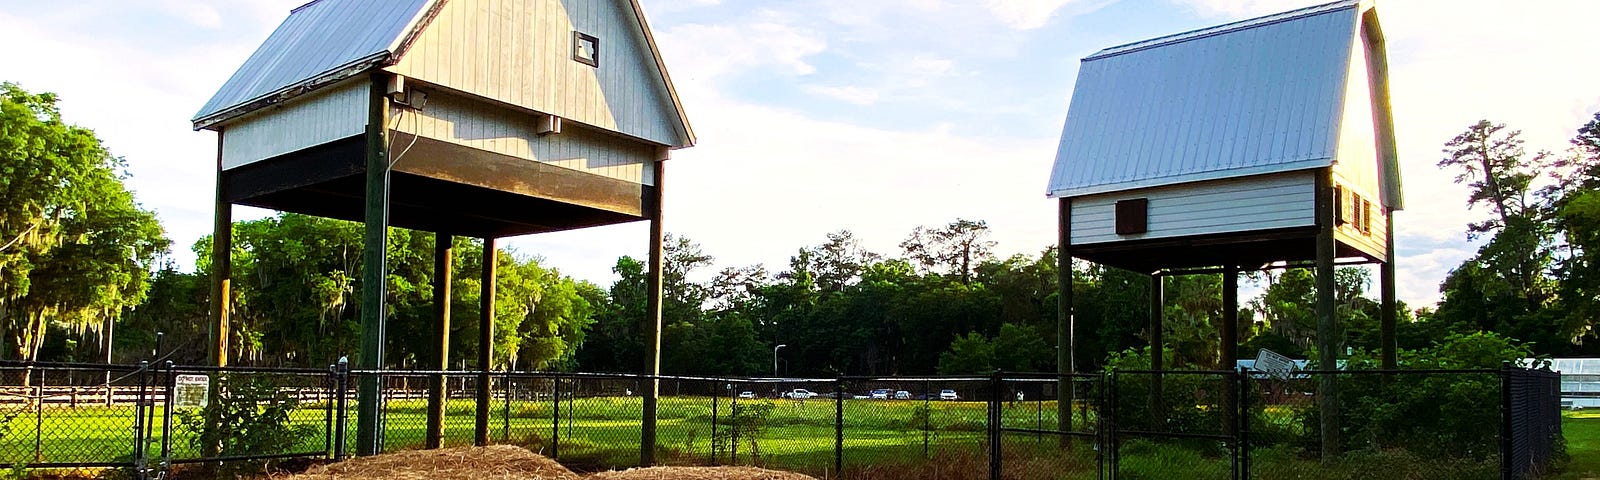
[818,115]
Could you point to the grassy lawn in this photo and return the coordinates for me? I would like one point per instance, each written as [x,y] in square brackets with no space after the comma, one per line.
[1582,430]
[594,432]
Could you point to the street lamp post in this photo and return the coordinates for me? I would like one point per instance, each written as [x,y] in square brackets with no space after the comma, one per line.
[775,359]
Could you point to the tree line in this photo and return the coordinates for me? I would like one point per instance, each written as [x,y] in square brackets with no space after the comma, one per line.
[80,259]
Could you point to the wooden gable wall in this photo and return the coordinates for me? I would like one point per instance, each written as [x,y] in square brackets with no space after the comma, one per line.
[520,52]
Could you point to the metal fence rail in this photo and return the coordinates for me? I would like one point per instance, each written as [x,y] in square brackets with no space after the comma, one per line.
[1117,424]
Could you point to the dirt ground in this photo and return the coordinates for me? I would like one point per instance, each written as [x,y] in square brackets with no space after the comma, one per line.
[504,462]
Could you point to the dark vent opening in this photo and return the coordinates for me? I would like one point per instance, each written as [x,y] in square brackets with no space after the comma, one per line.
[1133,216]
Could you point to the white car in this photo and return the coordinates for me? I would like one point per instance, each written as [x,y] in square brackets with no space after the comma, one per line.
[799,394]
[948,394]
[902,395]
[880,394]
[747,394]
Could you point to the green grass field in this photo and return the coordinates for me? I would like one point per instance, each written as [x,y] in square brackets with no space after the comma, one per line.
[882,439]
[1582,431]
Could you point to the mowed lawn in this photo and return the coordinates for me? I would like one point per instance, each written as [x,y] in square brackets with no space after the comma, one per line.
[593,432]
[603,432]
[1582,431]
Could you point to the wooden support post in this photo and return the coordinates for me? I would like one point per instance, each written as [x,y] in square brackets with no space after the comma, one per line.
[221,295]
[1066,343]
[221,272]
[1386,318]
[374,266]
[491,260]
[1158,355]
[443,256]
[1328,334]
[1228,347]
[652,320]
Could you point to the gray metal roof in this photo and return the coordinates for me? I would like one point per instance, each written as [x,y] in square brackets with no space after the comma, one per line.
[1259,96]
[318,39]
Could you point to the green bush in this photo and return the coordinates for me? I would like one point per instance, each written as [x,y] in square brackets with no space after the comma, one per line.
[1454,416]
[246,416]
[1190,402]
[747,420]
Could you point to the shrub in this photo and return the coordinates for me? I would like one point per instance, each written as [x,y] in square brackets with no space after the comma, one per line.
[246,416]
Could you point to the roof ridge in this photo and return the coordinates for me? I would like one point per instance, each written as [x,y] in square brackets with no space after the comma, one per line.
[1223,28]
[303,6]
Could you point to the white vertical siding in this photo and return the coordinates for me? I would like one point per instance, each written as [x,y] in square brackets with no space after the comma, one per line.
[329,114]
[1356,167]
[1261,202]
[520,52]
[479,125]
[1356,164]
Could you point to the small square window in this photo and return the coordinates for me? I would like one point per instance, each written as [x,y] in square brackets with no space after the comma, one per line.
[586,49]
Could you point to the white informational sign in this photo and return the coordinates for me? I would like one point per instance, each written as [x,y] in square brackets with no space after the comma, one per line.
[1274,363]
[191,391]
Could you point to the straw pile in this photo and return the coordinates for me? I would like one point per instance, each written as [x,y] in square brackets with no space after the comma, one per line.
[499,462]
[505,462]
[697,473]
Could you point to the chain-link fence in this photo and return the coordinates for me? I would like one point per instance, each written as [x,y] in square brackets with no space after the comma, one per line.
[1412,424]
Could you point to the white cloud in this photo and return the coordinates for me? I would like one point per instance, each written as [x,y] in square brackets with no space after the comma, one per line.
[1244,8]
[197,13]
[1025,14]
[766,181]
[706,52]
[848,94]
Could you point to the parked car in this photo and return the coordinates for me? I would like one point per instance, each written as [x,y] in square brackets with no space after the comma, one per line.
[902,395]
[747,394]
[948,394]
[879,394]
[799,394]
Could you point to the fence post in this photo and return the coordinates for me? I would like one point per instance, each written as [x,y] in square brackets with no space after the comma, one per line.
[166,420]
[331,381]
[139,420]
[1113,440]
[1506,466]
[927,420]
[1243,440]
[733,427]
[995,389]
[506,382]
[555,419]
[1102,419]
[342,376]
[150,411]
[38,416]
[716,398]
[838,428]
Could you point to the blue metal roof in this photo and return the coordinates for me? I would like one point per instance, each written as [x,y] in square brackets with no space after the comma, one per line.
[318,39]
[1259,96]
